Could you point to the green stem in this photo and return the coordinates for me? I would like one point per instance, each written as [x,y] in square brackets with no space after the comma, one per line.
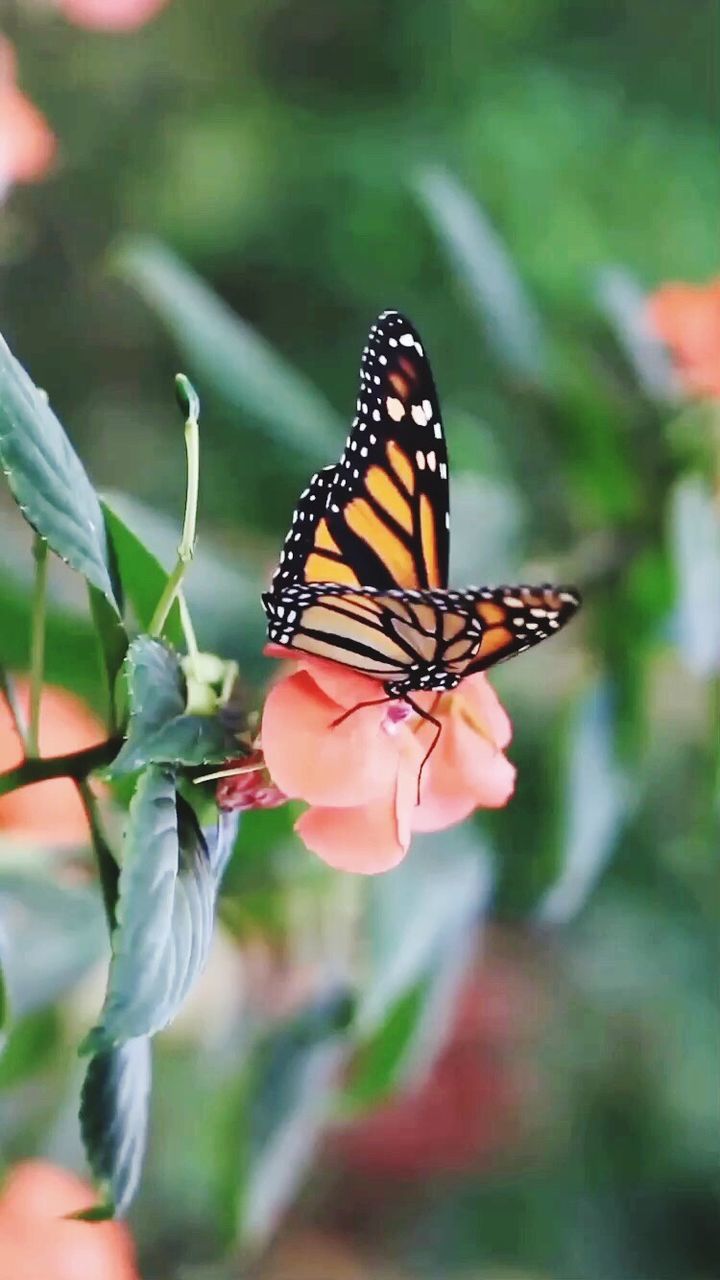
[108,870]
[186,548]
[7,689]
[77,765]
[37,643]
[188,628]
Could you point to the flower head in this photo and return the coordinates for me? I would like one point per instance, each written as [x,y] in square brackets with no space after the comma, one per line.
[360,773]
[110,15]
[687,319]
[37,1240]
[27,144]
[49,813]
[248,785]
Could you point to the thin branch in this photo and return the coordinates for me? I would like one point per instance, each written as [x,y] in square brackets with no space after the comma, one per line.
[78,765]
[190,404]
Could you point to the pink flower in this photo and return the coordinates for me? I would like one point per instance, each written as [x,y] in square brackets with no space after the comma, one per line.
[37,1242]
[110,15]
[47,813]
[27,144]
[687,319]
[250,788]
[360,777]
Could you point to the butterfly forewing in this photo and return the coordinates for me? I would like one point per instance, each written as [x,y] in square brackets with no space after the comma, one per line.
[381,517]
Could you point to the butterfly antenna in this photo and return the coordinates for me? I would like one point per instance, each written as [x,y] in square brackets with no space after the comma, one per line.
[425,715]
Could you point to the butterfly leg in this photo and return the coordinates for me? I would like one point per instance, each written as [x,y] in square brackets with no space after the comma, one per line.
[376,702]
[425,715]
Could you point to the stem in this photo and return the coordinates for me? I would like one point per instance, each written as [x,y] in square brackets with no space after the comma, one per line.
[77,765]
[108,870]
[37,643]
[187,541]
[7,689]
[187,626]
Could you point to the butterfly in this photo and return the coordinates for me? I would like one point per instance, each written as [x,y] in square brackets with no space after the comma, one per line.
[362,578]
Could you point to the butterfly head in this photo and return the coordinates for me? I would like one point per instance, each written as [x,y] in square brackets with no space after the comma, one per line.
[423,678]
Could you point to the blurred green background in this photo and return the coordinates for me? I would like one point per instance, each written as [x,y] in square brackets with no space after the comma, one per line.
[239,189]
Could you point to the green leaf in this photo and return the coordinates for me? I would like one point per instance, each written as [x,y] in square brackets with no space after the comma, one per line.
[113,1122]
[165,915]
[47,479]
[419,912]
[32,1046]
[113,643]
[284,1106]
[159,730]
[624,304]
[596,794]
[378,1066]
[244,369]
[695,537]
[50,937]
[487,275]
[142,576]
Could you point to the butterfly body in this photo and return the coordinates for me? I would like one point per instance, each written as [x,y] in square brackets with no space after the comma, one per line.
[362,578]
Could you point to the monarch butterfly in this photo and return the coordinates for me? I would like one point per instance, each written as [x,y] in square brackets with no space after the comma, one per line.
[362,577]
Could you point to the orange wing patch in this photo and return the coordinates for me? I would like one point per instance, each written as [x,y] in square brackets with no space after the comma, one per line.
[401,465]
[428,540]
[322,569]
[386,493]
[495,639]
[363,522]
[324,540]
[399,384]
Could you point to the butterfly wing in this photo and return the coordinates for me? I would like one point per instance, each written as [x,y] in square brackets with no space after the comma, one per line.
[380,517]
[385,634]
[513,619]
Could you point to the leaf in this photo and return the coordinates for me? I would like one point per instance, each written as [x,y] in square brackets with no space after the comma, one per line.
[285,1104]
[695,538]
[487,274]
[596,795]
[378,1065]
[142,576]
[47,479]
[159,730]
[226,351]
[113,1122]
[113,643]
[624,304]
[418,912]
[49,938]
[165,915]
[31,1046]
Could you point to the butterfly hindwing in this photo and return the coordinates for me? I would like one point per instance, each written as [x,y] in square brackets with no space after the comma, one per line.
[431,638]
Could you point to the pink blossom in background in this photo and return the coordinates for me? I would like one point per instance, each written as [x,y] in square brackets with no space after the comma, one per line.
[110,15]
[37,1242]
[27,143]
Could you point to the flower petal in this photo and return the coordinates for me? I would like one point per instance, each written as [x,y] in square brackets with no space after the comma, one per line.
[465,772]
[309,758]
[485,706]
[361,838]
